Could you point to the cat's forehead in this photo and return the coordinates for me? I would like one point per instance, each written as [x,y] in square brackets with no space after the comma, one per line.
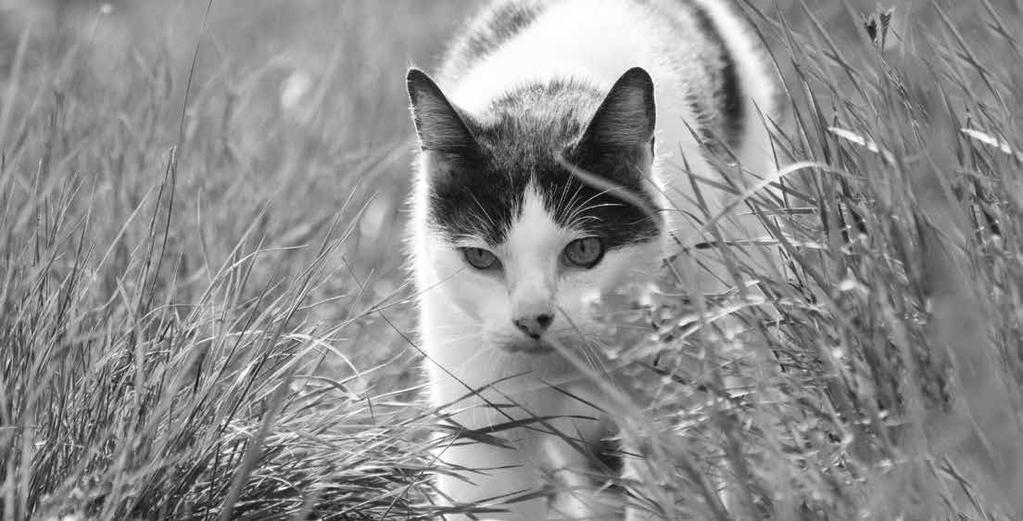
[535,119]
[534,228]
[522,138]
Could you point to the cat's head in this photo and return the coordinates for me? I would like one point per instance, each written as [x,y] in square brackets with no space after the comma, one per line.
[536,206]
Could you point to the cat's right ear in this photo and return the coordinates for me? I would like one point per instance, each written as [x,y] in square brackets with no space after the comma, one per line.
[439,125]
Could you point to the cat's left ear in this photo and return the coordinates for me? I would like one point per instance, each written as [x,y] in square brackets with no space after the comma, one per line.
[439,125]
[626,117]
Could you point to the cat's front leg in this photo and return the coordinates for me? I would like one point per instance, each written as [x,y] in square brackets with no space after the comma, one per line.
[635,473]
[581,489]
[493,476]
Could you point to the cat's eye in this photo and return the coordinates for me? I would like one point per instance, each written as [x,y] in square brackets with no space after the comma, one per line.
[584,253]
[480,259]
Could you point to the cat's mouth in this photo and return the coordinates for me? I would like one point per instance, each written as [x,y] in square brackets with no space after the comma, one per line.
[527,346]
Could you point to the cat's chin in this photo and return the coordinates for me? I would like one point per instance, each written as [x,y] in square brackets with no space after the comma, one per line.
[526,346]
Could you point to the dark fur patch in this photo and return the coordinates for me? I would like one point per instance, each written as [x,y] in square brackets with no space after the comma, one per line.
[472,197]
[527,130]
[722,110]
[729,95]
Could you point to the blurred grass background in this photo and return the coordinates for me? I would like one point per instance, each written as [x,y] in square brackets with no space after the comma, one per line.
[205,309]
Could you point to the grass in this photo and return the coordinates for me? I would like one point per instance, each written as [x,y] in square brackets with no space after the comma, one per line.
[205,313]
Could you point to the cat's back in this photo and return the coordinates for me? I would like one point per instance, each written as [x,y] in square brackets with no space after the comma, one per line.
[708,67]
[512,32]
[486,32]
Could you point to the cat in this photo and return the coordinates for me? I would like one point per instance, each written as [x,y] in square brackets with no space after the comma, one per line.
[551,146]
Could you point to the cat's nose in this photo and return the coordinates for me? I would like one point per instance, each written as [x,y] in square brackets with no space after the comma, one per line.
[534,326]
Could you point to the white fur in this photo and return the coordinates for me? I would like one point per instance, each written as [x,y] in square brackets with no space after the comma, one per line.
[466,315]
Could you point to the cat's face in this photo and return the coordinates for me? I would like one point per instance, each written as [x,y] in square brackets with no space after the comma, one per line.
[537,207]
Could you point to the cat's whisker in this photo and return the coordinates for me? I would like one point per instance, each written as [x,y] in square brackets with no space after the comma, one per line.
[489,220]
[572,204]
[466,336]
[472,358]
[562,204]
[592,355]
[586,205]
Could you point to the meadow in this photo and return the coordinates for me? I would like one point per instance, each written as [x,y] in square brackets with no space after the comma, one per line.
[205,311]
